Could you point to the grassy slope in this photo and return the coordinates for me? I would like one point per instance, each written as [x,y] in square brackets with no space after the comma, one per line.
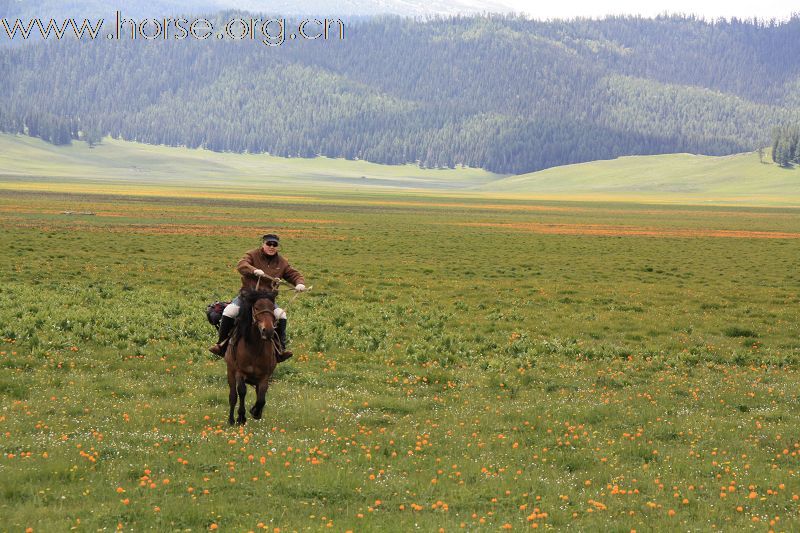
[129,167]
[739,177]
[122,163]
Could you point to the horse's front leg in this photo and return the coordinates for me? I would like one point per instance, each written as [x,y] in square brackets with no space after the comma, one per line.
[241,388]
[261,399]
[231,396]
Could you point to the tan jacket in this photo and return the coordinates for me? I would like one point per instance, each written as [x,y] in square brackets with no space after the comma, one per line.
[276,266]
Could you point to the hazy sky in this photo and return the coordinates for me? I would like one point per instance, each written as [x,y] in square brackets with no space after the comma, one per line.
[764,9]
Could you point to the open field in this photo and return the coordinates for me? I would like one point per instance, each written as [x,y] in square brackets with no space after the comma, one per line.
[460,363]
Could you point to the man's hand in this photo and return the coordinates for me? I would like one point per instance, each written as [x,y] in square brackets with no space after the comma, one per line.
[300,287]
[258,272]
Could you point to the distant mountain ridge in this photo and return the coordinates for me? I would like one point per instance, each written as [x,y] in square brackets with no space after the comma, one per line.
[497,92]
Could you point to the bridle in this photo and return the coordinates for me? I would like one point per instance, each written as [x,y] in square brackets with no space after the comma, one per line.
[256,313]
[275,340]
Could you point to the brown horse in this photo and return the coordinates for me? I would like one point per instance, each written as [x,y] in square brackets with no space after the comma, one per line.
[251,355]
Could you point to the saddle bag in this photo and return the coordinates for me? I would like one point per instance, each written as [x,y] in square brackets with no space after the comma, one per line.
[214,312]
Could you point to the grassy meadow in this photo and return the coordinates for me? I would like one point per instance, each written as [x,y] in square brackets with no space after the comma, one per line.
[28,163]
[458,366]
[682,178]
[129,167]
[461,363]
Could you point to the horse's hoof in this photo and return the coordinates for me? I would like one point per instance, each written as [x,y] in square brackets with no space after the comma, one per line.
[230,421]
[241,421]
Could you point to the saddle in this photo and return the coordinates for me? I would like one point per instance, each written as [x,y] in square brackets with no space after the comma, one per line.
[214,313]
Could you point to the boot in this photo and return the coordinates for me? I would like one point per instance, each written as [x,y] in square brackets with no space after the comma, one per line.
[285,354]
[225,328]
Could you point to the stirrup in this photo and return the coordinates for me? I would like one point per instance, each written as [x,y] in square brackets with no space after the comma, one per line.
[219,349]
[284,355]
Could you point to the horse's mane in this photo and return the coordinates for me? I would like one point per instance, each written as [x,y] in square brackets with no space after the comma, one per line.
[248,298]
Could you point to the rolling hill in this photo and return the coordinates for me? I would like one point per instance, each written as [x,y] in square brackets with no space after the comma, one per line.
[124,167]
[27,162]
[737,178]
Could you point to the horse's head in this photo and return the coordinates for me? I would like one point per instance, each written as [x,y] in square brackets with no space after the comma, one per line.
[263,317]
[256,314]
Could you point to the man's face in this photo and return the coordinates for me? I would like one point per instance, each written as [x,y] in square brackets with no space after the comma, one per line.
[270,247]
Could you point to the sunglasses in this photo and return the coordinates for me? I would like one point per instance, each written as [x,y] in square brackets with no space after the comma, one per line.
[272,244]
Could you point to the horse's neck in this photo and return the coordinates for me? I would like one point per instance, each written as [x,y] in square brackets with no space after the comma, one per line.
[254,340]
[252,335]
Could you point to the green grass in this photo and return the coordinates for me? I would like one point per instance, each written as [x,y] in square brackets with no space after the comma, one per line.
[739,178]
[125,164]
[31,164]
[459,363]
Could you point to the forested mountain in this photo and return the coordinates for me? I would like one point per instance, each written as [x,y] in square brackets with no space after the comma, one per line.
[507,94]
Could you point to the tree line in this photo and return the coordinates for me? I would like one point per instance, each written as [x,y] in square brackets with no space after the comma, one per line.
[786,145]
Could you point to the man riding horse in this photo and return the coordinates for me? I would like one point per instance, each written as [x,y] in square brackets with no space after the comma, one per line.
[257,267]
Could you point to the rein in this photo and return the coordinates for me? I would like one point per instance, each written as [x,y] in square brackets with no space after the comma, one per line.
[275,283]
[276,343]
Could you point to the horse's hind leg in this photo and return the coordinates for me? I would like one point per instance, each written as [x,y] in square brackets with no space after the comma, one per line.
[261,399]
[241,388]
[232,396]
